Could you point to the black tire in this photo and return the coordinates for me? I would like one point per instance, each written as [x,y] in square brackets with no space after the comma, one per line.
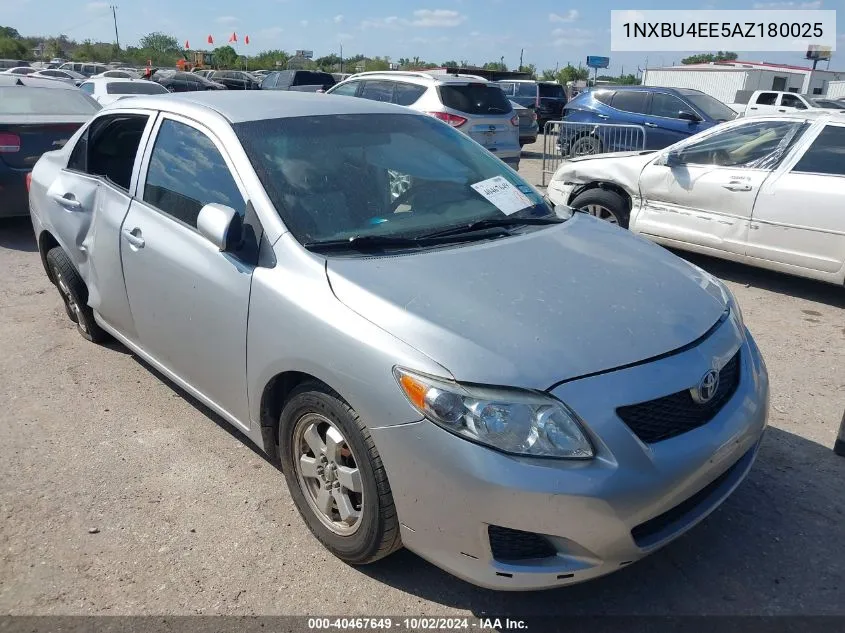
[585,145]
[593,199]
[378,533]
[74,294]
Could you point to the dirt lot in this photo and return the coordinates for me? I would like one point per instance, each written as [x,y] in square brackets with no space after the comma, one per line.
[190,520]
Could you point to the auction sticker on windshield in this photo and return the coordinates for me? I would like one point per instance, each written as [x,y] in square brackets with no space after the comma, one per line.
[507,198]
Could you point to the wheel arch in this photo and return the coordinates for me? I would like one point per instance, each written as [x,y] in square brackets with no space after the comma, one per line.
[607,186]
[274,396]
[46,242]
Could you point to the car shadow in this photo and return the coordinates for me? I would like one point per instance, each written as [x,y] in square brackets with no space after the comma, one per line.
[774,547]
[16,234]
[770,280]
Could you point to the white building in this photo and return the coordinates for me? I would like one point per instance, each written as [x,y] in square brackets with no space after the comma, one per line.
[723,79]
[835,89]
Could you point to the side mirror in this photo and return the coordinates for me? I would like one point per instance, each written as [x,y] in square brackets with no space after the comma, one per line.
[673,159]
[221,225]
[686,115]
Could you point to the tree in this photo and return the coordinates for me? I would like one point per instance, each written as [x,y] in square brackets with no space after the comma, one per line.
[225,57]
[571,73]
[159,43]
[12,49]
[377,63]
[8,31]
[548,75]
[267,60]
[329,62]
[450,64]
[495,66]
[703,58]
[530,68]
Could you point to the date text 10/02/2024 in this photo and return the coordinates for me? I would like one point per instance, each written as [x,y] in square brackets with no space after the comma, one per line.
[415,624]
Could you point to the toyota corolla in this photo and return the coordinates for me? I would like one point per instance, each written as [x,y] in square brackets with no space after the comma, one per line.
[525,396]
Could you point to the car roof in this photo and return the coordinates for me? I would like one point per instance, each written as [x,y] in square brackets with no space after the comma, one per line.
[248,105]
[34,82]
[114,80]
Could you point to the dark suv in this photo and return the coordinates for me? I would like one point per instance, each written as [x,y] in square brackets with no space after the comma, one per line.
[547,98]
[234,79]
[298,80]
[667,115]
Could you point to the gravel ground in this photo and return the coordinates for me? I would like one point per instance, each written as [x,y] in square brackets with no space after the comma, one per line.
[121,495]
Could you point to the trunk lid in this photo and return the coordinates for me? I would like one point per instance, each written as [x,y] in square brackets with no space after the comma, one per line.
[44,134]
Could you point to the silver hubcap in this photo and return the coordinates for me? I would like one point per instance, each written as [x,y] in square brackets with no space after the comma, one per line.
[69,300]
[602,213]
[328,473]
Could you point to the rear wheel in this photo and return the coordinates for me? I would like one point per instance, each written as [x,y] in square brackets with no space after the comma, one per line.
[585,146]
[74,294]
[604,204]
[336,477]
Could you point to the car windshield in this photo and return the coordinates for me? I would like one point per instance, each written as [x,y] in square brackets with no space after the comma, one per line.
[710,106]
[135,88]
[32,100]
[389,175]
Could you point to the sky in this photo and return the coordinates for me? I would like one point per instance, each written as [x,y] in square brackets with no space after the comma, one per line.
[551,32]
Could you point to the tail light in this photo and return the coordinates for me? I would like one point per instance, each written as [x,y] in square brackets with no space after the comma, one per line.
[515,120]
[28,180]
[452,119]
[9,143]
[534,114]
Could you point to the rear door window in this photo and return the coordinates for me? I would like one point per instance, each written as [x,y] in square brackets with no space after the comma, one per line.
[310,78]
[349,89]
[377,91]
[827,153]
[635,101]
[767,98]
[791,101]
[407,94]
[475,99]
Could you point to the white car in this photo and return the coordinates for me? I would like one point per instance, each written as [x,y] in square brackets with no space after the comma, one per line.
[107,90]
[767,191]
[68,76]
[20,70]
[118,74]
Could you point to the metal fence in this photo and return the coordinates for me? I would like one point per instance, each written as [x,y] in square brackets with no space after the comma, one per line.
[568,139]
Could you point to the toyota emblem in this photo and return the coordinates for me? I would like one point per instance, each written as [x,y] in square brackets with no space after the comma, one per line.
[707,387]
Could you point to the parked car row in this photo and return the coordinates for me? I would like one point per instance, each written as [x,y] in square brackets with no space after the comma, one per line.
[405,325]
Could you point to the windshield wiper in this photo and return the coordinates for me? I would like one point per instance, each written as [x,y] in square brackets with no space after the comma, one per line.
[382,242]
[480,225]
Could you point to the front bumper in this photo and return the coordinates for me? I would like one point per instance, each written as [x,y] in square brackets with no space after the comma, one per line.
[448,491]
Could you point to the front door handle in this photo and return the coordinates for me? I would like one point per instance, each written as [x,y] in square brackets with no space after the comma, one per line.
[737,186]
[67,200]
[134,237]
[650,124]
[603,116]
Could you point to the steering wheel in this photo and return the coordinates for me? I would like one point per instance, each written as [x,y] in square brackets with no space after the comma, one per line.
[415,189]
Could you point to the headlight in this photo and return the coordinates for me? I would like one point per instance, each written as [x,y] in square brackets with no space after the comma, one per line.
[510,420]
[733,304]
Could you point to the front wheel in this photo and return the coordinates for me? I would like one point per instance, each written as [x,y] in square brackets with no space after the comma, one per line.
[604,204]
[335,476]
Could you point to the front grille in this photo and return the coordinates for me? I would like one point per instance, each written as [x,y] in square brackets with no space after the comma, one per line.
[670,416]
[508,545]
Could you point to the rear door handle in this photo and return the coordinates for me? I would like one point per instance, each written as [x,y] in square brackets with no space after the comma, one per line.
[603,116]
[650,124]
[737,186]
[134,237]
[67,200]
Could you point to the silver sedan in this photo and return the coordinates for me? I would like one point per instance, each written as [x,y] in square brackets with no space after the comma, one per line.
[523,395]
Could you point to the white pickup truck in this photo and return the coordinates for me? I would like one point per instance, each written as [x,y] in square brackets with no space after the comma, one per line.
[759,102]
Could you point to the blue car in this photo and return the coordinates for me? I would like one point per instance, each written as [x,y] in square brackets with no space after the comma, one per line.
[667,115]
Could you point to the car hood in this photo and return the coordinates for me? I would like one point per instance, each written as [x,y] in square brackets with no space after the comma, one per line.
[532,310]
